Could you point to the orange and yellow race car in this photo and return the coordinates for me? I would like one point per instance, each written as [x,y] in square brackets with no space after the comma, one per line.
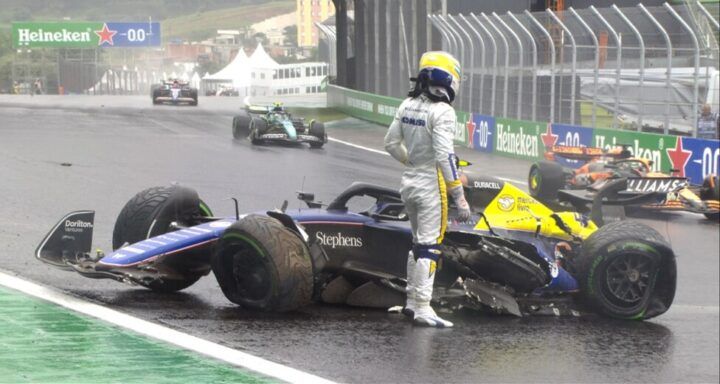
[618,178]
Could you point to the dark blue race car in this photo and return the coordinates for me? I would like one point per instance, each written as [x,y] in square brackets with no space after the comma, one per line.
[516,257]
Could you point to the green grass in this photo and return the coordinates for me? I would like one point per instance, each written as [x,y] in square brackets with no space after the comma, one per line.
[603,117]
[205,24]
[322,115]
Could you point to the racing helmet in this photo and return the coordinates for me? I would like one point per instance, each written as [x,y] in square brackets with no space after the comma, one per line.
[440,72]
[277,106]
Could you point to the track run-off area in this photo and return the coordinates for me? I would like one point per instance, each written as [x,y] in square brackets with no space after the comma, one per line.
[59,154]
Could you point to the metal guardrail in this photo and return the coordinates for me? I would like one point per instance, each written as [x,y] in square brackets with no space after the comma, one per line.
[498,48]
[639,68]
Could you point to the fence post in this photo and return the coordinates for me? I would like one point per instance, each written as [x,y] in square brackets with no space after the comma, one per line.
[696,74]
[597,63]
[442,31]
[507,61]
[641,103]
[552,63]
[668,71]
[471,68]
[708,15]
[454,47]
[520,63]
[618,64]
[573,68]
[494,63]
[534,62]
[463,62]
[482,55]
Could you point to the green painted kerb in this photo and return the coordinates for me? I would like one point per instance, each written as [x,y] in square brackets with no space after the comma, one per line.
[42,343]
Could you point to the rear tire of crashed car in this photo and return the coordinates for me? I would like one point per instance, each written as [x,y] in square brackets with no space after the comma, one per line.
[262,265]
[545,179]
[711,191]
[317,129]
[149,213]
[626,270]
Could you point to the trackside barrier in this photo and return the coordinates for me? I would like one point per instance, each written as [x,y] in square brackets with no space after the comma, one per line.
[528,140]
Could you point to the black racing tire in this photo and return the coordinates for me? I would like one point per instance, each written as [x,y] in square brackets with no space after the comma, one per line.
[262,265]
[626,270]
[317,129]
[194,96]
[711,191]
[545,179]
[149,213]
[258,126]
[241,127]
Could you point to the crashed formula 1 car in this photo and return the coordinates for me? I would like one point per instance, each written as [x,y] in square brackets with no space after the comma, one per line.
[174,92]
[516,257]
[615,178]
[273,124]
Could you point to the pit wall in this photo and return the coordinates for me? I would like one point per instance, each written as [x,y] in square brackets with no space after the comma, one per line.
[693,158]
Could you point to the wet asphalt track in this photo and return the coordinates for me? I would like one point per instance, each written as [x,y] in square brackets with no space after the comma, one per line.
[116,146]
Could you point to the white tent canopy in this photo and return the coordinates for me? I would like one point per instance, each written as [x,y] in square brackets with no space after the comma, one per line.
[261,60]
[236,72]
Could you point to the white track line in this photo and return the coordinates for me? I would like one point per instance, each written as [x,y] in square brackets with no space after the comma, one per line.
[359,146]
[520,182]
[159,332]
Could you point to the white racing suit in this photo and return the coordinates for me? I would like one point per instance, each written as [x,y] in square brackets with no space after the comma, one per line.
[421,137]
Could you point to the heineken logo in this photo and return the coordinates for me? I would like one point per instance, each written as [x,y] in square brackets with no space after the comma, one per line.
[517,143]
[27,36]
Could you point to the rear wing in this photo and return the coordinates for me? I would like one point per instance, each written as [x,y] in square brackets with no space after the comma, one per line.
[69,238]
[655,184]
[254,108]
[586,153]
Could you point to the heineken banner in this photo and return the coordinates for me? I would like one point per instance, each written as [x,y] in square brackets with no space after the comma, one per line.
[518,138]
[85,34]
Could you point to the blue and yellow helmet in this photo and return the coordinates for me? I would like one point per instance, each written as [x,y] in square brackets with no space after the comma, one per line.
[440,69]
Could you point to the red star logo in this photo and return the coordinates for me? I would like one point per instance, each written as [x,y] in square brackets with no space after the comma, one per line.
[548,138]
[106,35]
[470,125]
[678,157]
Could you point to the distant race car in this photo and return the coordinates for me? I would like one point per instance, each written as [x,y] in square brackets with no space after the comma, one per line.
[174,92]
[617,178]
[263,124]
[516,256]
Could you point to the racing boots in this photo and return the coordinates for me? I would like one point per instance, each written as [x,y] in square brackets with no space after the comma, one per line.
[420,282]
[410,291]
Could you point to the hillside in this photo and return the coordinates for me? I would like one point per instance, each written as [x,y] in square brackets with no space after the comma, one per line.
[204,24]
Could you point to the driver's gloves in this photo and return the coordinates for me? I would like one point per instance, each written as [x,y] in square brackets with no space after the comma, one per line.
[463,207]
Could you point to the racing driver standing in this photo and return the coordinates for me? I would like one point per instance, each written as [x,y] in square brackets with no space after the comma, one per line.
[421,137]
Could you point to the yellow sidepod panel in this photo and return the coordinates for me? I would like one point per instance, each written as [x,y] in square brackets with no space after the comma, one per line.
[512,209]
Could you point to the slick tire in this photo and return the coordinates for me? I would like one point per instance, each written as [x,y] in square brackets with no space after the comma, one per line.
[262,265]
[545,179]
[626,270]
[150,212]
[711,191]
[194,96]
[241,127]
[317,129]
[258,127]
